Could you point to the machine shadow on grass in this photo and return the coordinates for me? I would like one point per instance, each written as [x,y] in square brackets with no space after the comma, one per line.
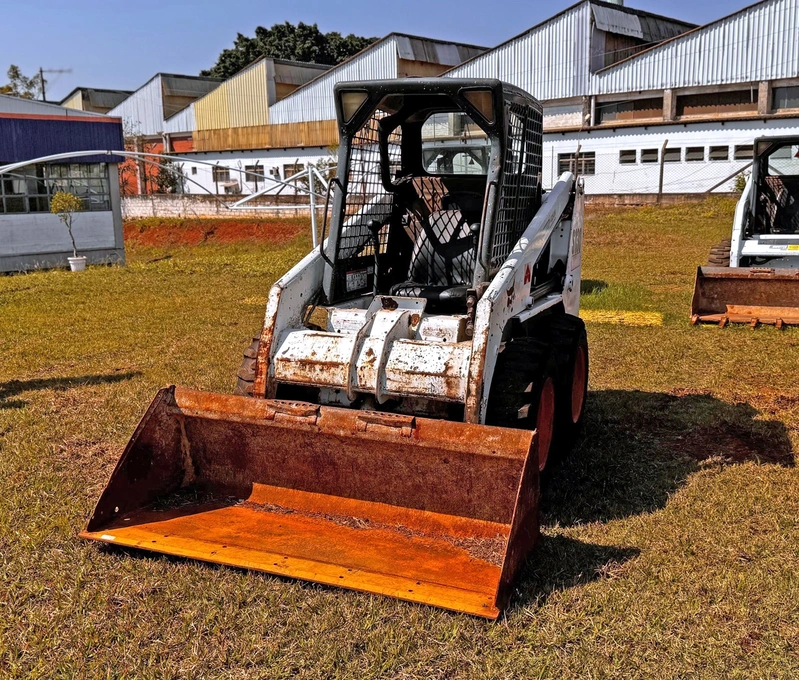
[14,387]
[588,286]
[637,448]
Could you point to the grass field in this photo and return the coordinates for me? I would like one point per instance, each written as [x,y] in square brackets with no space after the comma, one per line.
[671,533]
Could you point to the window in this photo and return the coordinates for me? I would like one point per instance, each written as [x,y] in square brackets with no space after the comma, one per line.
[193,169]
[453,144]
[585,164]
[254,174]
[694,153]
[30,188]
[637,109]
[785,98]
[221,174]
[744,152]
[649,155]
[628,156]
[784,161]
[291,169]
[718,103]
[672,154]
[719,153]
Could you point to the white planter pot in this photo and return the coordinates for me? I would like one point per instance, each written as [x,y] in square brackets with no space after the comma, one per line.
[77,264]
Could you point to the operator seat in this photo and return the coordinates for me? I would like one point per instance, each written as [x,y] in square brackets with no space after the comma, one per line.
[442,261]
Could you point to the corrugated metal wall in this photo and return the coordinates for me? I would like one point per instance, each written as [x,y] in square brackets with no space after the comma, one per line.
[238,102]
[314,101]
[74,102]
[759,43]
[181,122]
[142,112]
[163,97]
[25,138]
[551,61]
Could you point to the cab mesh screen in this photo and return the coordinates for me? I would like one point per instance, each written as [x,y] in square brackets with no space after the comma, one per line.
[520,193]
[366,200]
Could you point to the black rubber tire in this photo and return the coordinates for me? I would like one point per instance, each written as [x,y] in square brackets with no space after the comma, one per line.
[720,254]
[570,343]
[524,367]
[245,378]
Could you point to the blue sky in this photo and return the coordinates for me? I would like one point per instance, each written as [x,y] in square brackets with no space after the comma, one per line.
[114,44]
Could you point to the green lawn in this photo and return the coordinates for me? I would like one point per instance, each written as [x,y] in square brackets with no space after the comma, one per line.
[671,533]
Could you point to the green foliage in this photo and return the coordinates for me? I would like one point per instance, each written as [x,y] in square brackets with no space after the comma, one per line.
[19,85]
[740,182]
[302,42]
[169,177]
[65,205]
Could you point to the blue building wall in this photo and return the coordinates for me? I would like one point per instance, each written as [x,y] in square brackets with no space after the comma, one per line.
[23,138]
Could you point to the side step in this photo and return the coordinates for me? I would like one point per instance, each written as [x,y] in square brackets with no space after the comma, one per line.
[419,509]
[725,295]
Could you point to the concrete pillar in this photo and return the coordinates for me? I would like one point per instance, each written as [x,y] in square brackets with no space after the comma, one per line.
[669,105]
[585,117]
[763,98]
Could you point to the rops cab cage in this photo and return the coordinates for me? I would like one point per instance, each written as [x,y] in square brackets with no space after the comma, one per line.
[437,180]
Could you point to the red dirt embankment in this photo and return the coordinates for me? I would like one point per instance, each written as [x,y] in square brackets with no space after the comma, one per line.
[192,232]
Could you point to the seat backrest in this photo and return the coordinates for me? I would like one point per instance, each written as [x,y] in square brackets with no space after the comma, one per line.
[779,205]
[444,253]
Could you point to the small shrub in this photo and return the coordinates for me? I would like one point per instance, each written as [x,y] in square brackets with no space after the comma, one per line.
[65,205]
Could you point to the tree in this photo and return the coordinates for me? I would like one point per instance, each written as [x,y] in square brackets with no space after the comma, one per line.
[302,42]
[169,178]
[20,85]
[65,205]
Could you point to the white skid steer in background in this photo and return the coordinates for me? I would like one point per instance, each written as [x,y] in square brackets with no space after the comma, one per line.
[412,377]
[753,277]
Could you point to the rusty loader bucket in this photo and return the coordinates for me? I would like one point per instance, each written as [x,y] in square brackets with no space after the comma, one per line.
[419,509]
[725,295]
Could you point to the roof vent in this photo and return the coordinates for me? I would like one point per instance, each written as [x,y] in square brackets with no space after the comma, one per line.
[615,2]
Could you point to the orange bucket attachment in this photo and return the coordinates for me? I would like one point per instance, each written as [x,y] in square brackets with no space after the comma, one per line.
[420,509]
[725,295]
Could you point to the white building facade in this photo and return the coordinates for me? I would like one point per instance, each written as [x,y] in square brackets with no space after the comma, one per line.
[633,117]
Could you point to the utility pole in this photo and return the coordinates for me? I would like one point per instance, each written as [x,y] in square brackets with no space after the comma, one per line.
[42,71]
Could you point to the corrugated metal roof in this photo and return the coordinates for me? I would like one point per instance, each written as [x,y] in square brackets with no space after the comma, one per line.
[760,42]
[614,21]
[105,99]
[295,72]
[160,99]
[550,60]
[11,105]
[647,27]
[434,51]
[314,100]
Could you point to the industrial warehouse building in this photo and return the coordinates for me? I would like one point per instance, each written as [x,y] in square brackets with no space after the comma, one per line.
[30,236]
[637,103]
[689,105]
[298,128]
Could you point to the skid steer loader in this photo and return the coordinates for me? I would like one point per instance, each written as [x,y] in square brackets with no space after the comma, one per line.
[753,277]
[412,376]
